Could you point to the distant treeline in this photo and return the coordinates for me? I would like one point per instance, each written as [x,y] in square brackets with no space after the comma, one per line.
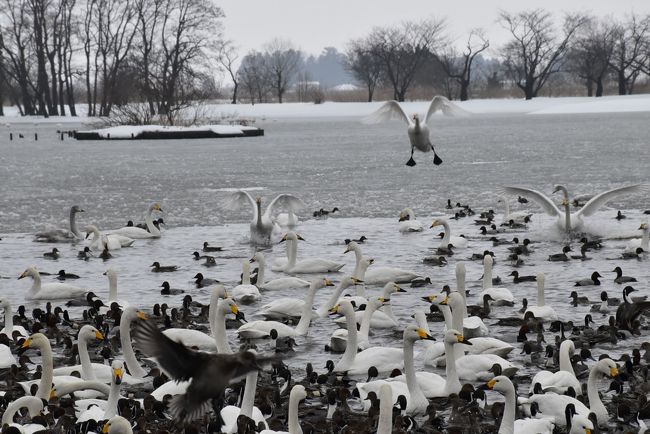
[153,58]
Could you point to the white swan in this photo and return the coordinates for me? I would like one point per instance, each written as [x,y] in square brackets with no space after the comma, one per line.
[34,406]
[517,216]
[275,284]
[565,219]
[50,290]
[6,358]
[408,222]
[230,413]
[418,132]
[117,425]
[262,329]
[129,315]
[112,288]
[542,311]
[262,227]
[246,293]
[457,242]
[553,406]
[311,265]
[642,242]
[385,422]
[9,327]
[109,241]
[561,380]
[509,425]
[472,326]
[345,283]
[62,235]
[379,275]
[384,359]
[501,296]
[604,367]
[100,409]
[137,233]
[384,318]
[298,393]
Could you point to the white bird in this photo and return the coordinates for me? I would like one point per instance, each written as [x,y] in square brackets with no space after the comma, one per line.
[542,311]
[516,216]
[34,406]
[560,381]
[50,290]
[418,131]
[9,327]
[129,315]
[566,220]
[379,275]
[62,235]
[275,284]
[457,242]
[109,241]
[298,393]
[408,223]
[262,226]
[117,425]
[501,295]
[230,413]
[307,266]
[137,233]
[642,242]
[246,293]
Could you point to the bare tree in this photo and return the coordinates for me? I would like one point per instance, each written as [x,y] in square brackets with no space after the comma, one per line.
[630,52]
[364,65]
[253,74]
[459,67]
[404,49]
[227,58]
[149,16]
[282,64]
[534,53]
[591,53]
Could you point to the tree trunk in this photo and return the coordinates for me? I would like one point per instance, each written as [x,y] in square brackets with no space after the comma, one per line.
[599,87]
[528,90]
[590,87]
[234,92]
[464,87]
[370,92]
[622,82]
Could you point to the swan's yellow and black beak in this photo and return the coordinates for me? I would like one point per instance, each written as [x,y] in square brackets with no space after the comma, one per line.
[251,260]
[587,431]
[328,282]
[434,224]
[347,249]
[383,300]
[52,393]
[424,335]
[430,298]
[399,288]
[106,428]
[141,314]
[356,281]
[643,226]
[98,335]
[565,202]
[300,238]
[157,207]
[118,373]
[23,275]
[26,344]
[613,372]
[445,301]
[403,218]
[239,315]
[461,340]
[491,383]
[283,239]
[334,310]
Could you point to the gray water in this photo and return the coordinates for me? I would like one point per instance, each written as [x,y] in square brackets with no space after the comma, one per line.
[329,162]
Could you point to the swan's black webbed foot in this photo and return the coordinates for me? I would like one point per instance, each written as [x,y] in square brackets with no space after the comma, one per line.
[410,162]
[437,160]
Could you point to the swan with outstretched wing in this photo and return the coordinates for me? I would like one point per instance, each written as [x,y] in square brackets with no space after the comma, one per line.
[565,219]
[262,225]
[418,131]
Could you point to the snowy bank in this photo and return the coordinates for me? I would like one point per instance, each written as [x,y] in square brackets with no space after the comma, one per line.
[166,132]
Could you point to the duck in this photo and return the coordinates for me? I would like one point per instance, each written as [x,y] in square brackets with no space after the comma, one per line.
[168,290]
[501,295]
[566,220]
[275,284]
[379,275]
[560,257]
[593,280]
[63,235]
[408,223]
[560,381]
[54,254]
[541,310]
[85,254]
[627,313]
[62,275]
[637,254]
[157,268]
[458,242]
[246,293]
[208,248]
[202,281]
[262,329]
[516,278]
[137,233]
[50,290]
[516,217]
[620,278]
[620,216]
[306,266]
[643,242]
[325,213]
[576,299]
[262,226]
[418,131]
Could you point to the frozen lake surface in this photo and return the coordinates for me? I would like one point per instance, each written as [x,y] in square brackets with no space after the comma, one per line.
[330,162]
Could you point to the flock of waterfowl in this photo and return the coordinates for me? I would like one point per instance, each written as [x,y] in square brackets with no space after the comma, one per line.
[202,366]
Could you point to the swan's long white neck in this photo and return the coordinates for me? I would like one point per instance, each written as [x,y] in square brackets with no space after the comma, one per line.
[385,424]
[293,254]
[359,257]
[351,348]
[259,214]
[9,318]
[149,222]
[73,225]
[415,392]
[219,329]
[386,308]
[36,285]
[261,267]
[112,286]
[567,209]
[487,272]
[127,348]
[645,239]
[98,386]
[338,290]
[294,423]
[595,404]
[31,402]
[447,315]
[565,358]
[113,398]
[460,283]
[305,317]
[456,306]
[540,289]
[248,400]
[453,383]
[45,386]
[445,239]
[364,330]
[246,273]
[507,208]
[508,420]
[87,372]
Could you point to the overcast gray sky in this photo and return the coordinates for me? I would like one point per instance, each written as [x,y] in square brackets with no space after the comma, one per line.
[314,24]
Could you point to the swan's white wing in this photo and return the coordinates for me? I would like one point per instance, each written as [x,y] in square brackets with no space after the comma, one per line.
[288,201]
[601,199]
[539,197]
[448,108]
[390,110]
[239,199]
